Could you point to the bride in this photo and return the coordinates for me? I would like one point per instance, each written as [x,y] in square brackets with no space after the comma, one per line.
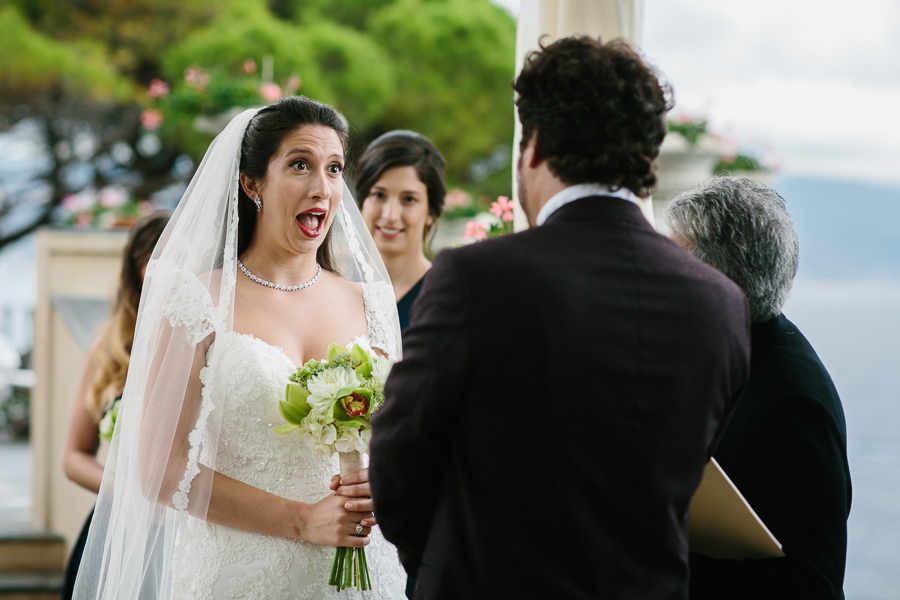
[265,262]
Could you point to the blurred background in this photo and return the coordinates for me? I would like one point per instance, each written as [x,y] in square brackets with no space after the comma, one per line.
[107,105]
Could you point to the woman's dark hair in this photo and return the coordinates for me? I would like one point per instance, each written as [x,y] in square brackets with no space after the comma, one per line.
[264,134]
[114,342]
[598,111]
[403,148]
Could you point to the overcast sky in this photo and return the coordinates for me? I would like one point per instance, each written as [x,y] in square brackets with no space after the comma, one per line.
[811,85]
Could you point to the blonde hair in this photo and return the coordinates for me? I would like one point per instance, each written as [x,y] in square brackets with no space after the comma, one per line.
[112,350]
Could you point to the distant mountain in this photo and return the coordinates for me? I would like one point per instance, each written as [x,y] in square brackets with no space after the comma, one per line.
[846,228]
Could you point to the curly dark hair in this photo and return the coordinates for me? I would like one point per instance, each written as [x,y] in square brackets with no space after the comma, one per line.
[598,111]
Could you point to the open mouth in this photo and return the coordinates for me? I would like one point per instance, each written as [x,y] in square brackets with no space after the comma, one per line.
[310,222]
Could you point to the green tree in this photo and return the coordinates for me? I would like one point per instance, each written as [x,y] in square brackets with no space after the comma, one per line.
[455,61]
[81,69]
[328,62]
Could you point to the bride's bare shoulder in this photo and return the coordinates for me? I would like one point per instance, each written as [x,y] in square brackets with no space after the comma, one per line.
[349,290]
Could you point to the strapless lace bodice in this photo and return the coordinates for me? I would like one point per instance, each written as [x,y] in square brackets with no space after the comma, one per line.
[248,376]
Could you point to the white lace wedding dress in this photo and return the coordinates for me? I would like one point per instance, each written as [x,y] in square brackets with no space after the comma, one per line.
[213,562]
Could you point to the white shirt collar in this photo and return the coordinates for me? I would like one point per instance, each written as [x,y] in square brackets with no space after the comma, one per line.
[575,192]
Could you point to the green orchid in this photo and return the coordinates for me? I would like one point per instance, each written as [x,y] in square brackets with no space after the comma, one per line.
[364,369]
[293,408]
[350,406]
[334,350]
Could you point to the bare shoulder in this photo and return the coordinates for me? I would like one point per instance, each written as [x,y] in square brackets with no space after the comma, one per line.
[343,289]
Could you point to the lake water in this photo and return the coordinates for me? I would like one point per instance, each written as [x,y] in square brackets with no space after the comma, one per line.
[855,328]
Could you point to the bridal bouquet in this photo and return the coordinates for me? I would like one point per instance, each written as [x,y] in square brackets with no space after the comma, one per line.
[330,404]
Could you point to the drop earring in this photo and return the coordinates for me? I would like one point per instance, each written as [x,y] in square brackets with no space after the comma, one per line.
[257,202]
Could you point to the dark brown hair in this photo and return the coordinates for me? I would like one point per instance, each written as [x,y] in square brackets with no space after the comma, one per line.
[598,111]
[403,148]
[114,343]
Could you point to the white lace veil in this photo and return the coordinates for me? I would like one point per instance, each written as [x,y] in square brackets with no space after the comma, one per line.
[163,450]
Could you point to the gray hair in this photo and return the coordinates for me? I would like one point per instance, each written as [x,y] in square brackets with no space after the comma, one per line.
[743,229]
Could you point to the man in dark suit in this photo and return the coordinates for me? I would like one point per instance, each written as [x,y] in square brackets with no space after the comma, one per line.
[562,388]
[785,447]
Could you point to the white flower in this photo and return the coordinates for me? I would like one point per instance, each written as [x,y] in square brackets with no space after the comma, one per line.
[325,385]
[322,449]
[381,367]
[321,433]
[349,440]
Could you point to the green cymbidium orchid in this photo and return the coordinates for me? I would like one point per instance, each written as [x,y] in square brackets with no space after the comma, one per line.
[293,408]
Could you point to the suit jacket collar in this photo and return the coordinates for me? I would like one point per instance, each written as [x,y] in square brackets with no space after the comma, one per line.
[580,190]
[593,208]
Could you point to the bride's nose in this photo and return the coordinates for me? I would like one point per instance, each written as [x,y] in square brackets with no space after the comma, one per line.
[318,186]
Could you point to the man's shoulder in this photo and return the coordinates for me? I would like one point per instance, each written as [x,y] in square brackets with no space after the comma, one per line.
[477,253]
[798,364]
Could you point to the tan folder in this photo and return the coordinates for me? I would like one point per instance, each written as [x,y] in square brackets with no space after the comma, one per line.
[722,523]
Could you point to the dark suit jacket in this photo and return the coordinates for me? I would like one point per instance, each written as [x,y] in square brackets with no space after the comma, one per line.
[785,449]
[558,399]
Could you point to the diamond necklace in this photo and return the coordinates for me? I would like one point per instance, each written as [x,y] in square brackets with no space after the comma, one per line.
[275,286]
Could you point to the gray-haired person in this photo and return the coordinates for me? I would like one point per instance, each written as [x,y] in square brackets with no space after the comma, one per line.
[786,445]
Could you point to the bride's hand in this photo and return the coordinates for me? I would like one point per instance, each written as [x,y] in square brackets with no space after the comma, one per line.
[329,523]
[355,487]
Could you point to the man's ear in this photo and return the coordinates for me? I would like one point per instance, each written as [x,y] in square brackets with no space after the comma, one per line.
[249,185]
[531,154]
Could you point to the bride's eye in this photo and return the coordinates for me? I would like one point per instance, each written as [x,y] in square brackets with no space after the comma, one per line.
[299,164]
[336,168]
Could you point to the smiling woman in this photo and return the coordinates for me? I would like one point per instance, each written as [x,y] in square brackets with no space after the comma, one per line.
[202,498]
[400,189]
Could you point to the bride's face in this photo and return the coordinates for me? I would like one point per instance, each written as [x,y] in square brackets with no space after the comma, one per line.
[302,189]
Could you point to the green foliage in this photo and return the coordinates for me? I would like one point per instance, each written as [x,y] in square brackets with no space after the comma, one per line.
[333,64]
[455,61]
[135,33]
[441,67]
[33,63]
[351,13]
[691,131]
[739,162]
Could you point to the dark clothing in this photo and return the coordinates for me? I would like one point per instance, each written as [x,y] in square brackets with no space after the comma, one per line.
[75,559]
[559,397]
[785,449]
[404,304]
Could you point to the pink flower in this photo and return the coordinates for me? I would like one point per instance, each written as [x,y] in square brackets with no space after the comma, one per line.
[71,202]
[157,88]
[270,92]
[83,219]
[196,77]
[249,66]
[293,84]
[112,198]
[502,209]
[475,231]
[151,119]
[457,198]
[145,207]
